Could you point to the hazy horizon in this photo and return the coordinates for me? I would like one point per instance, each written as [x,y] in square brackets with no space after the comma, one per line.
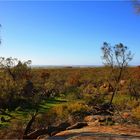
[75,66]
[67,32]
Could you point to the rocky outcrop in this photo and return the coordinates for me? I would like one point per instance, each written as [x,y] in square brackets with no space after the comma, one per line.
[97,120]
[91,132]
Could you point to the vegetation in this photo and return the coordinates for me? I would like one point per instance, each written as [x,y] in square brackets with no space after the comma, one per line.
[136,4]
[117,59]
[32,98]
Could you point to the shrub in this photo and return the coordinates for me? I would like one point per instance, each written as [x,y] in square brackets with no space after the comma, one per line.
[132,104]
[64,111]
[121,101]
[136,113]
[90,89]
[14,131]
[72,94]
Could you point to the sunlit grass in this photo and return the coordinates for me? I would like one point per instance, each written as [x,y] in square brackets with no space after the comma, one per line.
[23,114]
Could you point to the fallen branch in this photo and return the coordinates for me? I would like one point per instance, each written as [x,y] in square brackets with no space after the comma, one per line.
[51,130]
[28,127]
[35,134]
[78,125]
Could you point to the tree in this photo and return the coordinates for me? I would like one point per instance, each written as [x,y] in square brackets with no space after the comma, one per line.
[136,4]
[15,68]
[117,59]
[14,76]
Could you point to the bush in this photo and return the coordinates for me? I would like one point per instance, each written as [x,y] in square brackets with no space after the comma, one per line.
[64,111]
[14,131]
[121,101]
[136,113]
[72,94]
[132,104]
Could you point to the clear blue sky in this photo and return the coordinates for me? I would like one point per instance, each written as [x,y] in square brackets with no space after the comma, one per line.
[67,32]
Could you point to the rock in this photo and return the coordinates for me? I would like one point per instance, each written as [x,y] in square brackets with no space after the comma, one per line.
[126,115]
[77,125]
[98,118]
[89,118]
[95,123]
[102,118]
[122,82]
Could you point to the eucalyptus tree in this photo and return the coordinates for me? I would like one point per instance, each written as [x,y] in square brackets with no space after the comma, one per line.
[117,59]
[136,4]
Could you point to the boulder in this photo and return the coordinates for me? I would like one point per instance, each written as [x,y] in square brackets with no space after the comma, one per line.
[89,118]
[122,82]
[102,118]
[126,115]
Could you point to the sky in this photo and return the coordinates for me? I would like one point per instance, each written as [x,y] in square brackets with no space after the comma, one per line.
[67,32]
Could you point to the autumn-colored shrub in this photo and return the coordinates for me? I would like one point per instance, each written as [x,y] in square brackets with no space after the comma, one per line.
[78,86]
[64,111]
[14,131]
[136,113]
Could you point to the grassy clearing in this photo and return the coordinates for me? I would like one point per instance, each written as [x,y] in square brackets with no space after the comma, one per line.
[47,104]
[23,115]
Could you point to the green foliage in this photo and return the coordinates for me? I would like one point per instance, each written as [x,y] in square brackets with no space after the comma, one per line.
[63,111]
[124,102]
[23,90]
[72,93]
[121,101]
[14,77]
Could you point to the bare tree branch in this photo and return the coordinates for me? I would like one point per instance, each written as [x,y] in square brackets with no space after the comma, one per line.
[117,58]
